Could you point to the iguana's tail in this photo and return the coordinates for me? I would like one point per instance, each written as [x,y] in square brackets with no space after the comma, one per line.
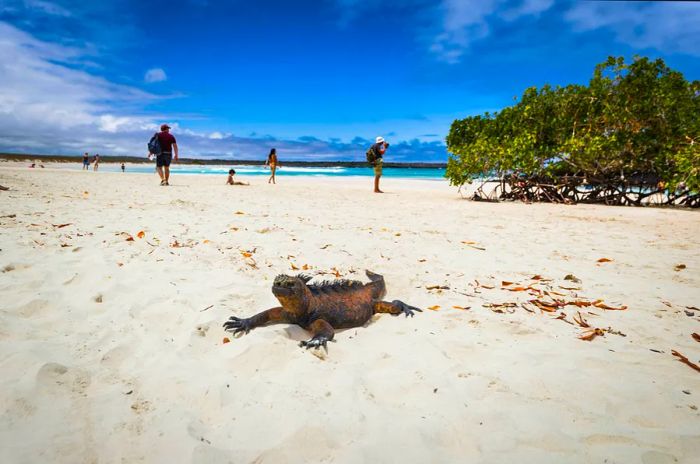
[377,283]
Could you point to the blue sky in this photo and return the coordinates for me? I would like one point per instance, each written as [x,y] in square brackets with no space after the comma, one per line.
[315,79]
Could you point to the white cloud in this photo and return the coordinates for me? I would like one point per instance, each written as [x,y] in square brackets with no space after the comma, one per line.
[464,22]
[664,26]
[155,75]
[48,8]
[218,135]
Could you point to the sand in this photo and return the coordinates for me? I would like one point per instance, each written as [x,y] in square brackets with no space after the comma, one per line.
[112,350]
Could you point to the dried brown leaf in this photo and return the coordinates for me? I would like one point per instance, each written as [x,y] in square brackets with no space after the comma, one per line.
[294,267]
[679,267]
[591,334]
[601,305]
[685,360]
[579,319]
[604,260]
[463,308]
[141,234]
[695,336]
[505,283]
[434,308]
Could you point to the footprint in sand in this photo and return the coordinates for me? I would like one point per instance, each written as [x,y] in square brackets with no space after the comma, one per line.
[35,308]
[59,379]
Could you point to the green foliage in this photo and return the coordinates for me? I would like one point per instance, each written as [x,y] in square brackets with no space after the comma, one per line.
[632,120]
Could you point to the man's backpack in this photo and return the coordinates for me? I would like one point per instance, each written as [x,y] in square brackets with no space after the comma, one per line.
[371,155]
[154,145]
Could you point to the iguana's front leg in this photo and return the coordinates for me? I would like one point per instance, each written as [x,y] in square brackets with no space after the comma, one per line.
[322,333]
[396,307]
[237,325]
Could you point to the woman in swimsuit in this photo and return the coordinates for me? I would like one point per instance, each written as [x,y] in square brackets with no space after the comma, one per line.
[273,163]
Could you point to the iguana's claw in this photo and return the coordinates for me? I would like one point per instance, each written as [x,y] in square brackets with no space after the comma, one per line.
[407,310]
[316,342]
[237,325]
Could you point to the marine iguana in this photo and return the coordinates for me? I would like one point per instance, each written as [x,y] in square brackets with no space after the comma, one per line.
[322,307]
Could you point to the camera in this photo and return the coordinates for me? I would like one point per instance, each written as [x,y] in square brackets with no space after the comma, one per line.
[386,144]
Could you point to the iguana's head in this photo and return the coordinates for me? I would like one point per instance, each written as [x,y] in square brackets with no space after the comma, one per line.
[286,286]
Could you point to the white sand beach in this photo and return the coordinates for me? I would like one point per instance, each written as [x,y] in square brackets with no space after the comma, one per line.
[112,350]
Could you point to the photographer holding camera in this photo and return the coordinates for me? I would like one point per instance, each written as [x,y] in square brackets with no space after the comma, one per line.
[375,155]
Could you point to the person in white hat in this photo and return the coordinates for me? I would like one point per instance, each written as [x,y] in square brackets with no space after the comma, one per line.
[377,151]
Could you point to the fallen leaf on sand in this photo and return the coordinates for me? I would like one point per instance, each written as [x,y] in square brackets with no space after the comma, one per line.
[569,288]
[591,334]
[239,212]
[325,246]
[461,307]
[545,305]
[468,242]
[397,234]
[295,268]
[305,267]
[434,308]
[486,286]
[60,226]
[685,360]
[437,287]
[206,241]
[505,283]
[572,278]
[336,272]
[518,289]
[696,337]
[693,308]
[422,260]
[601,305]
[578,318]
[477,247]
[579,303]
[129,238]
[120,264]
[246,254]
[65,245]
[226,340]
[604,260]
[562,316]
[141,234]
[536,277]
[679,267]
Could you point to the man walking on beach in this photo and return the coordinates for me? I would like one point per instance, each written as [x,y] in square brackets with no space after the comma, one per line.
[375,154]
[168,145]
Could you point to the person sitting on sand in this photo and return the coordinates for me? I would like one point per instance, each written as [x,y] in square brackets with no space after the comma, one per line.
[230,181]
[273,163]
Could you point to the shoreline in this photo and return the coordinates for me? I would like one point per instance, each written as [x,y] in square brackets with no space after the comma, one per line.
[9,157]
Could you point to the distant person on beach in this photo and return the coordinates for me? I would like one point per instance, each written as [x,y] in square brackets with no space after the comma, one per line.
[123,167]
[168,146]
[273,163]
[230,181]
[86,161]
[97,162]
[375,155]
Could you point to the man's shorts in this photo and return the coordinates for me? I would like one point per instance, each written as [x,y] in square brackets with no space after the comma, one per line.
[378,168]
[164,159]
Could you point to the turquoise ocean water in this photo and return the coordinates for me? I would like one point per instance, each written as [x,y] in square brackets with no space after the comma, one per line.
[243,171]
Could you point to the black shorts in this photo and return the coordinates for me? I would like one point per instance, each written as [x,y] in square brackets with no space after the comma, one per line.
[164,159]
